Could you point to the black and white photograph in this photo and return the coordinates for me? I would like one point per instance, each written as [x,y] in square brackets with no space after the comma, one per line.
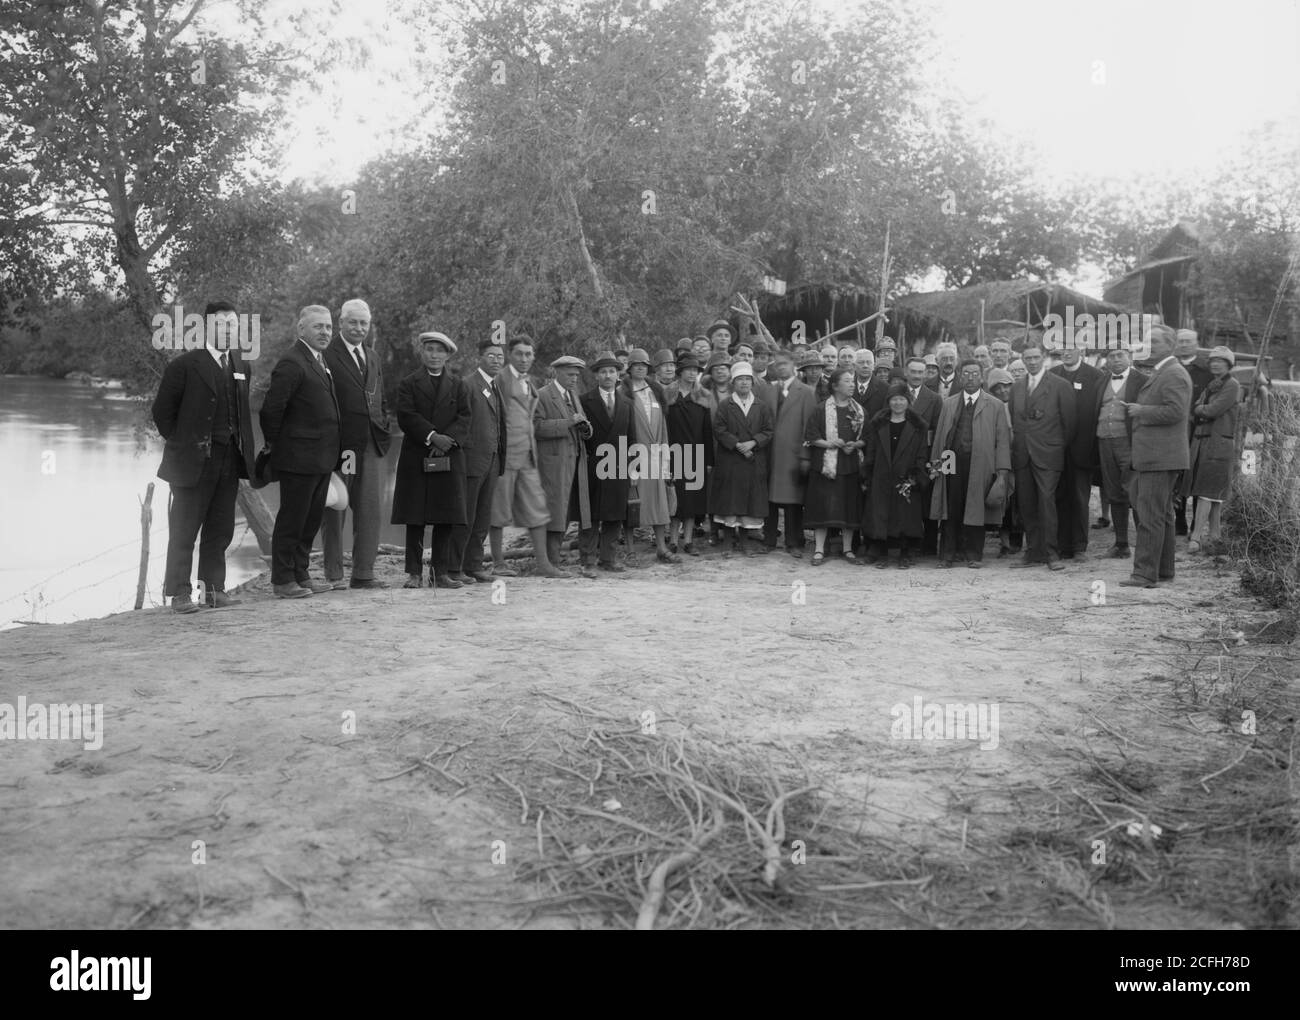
[650,464]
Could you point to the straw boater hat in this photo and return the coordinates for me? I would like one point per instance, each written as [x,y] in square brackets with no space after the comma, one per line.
[663,356]
[568,361]
[438,338]
[606,360]
[742,368]
[1223,354]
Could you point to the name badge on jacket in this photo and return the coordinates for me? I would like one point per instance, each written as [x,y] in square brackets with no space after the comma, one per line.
[239,376]
[1078,386]
[487,393]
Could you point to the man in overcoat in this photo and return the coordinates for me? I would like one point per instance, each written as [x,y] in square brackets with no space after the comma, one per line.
[562,428]
[433,411]
[613,431]
[1160,452]
[971,451]
[791,403]
[1042,426]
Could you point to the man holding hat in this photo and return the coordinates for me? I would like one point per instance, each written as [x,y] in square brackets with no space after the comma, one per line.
[300,425]
[562,430]
[520,498]
[363,411]
[433,411]
[1160,453]
[611,416]
[744,427]
[485,459]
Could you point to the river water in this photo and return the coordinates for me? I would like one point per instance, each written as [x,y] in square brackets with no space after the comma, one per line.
[76,465]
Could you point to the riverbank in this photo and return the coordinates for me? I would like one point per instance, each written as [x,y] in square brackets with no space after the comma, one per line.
[363,758]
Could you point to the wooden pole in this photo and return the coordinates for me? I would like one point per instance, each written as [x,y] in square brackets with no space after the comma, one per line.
[146,523]
[258,515]
[979,335]
[1027,306]
[884,284]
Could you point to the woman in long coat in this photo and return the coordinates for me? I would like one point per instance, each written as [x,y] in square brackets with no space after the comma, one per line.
[654,487]
[1214,448]
[894,476]
[690,432]
[833,437]
[712,391]
[738,496]
[433,411]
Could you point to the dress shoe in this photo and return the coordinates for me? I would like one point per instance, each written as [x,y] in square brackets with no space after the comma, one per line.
[1120,552]
[482,576]
[1055,565]
[220,600]
[946,563]
[461,576]
[446,581]
[367,582]
[613,568]
[690,550]
[975,564]
[290,591]
[336,583]
[1026,562]
[796,552]
[667,557]
[500,570]
[551,571]
[905,563]
[1138,582]
[184,604]
[414,581]
[317,587]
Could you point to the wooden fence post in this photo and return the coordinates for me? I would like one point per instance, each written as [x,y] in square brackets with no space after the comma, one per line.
[146,523]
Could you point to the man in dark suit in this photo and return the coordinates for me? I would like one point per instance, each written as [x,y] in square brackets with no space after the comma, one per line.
[1114,431]
[612,418]
[1187,350]
[300,424]
[363,426]
[872,394]
[946,382]
[1042,427]
[485,462]
[1160,453]
[1075,487]
[201,410]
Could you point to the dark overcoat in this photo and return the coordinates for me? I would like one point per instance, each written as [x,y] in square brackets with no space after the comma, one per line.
[424,405]
[740,485]
[184,409]
[887,514]
[608,494]
[690,427]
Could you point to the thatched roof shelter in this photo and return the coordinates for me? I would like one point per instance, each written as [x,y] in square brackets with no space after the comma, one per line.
[1009,307]
[1159,282]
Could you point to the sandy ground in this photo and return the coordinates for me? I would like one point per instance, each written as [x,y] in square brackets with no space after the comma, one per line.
[232,727]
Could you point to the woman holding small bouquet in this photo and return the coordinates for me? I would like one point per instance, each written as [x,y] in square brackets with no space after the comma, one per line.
[894,477]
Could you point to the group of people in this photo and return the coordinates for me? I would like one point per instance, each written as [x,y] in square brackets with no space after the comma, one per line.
[735,440]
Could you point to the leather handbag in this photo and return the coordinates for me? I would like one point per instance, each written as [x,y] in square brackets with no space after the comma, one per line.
[434,465]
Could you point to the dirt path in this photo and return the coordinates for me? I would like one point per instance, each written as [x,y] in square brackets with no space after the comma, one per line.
[232,727]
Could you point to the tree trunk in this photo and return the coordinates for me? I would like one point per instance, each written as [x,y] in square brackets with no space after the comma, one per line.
[258,515]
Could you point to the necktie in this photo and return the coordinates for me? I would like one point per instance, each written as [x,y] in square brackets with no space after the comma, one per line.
[1032,383]
[228,380]
[609,401]
[361,359]
[914,392]
[780,397]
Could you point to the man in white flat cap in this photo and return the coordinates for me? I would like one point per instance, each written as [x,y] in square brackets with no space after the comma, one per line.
[562,430]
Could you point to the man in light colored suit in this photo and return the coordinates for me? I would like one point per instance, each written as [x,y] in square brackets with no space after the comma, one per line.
[520,498]
[1043,419]
[562,429]
[363,424]
[1160,451]
[792,403]
[1115,443]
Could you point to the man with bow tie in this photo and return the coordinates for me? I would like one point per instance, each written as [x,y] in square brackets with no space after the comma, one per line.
[300,424]
[201,410]
[1115,442]
[562,430]
[363,410]
[946,382]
